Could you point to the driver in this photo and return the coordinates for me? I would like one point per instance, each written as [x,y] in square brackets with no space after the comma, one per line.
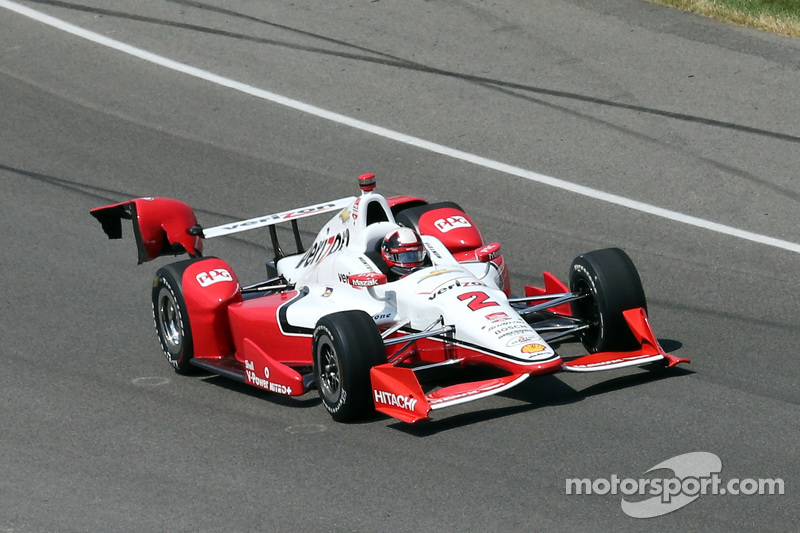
[403,252]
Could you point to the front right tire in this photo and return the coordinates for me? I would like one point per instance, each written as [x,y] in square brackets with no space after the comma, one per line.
[612,285]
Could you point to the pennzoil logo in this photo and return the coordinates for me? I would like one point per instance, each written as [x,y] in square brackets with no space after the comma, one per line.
[328,292]
[533,348]
[345,214]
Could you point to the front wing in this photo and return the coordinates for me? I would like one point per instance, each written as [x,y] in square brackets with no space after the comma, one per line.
[397,392]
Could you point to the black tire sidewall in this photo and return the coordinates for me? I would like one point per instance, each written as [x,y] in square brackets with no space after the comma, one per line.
[357,347]
[615,286]
[168,278]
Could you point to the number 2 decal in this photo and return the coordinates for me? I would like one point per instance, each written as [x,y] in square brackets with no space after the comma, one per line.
[477,300]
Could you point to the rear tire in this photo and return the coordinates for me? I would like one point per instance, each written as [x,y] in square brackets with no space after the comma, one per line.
[610,279]
[171,317]
[345,346]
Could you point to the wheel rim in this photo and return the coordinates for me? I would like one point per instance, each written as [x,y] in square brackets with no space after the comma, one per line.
[587,310]
[330,381]
[169,319]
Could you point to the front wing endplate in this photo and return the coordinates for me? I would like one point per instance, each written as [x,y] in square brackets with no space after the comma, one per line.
[650,351]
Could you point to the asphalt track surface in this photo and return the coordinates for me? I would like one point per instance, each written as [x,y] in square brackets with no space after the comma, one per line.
[619,96]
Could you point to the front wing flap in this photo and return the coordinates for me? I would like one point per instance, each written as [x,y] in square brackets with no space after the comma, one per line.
[650,351]
[397,392]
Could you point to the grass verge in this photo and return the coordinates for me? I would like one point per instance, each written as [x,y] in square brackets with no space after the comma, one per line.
[776,16]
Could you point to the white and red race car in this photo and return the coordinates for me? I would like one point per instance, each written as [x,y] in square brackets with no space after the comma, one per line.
[331,317]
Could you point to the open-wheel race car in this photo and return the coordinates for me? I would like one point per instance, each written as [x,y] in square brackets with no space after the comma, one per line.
[389,290]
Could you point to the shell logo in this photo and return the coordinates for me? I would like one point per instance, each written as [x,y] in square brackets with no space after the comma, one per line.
[532,348]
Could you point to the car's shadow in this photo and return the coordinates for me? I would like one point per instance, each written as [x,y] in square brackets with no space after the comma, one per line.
[535,393]
[543,391]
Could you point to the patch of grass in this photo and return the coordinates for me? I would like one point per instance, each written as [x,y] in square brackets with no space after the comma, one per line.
[776,16]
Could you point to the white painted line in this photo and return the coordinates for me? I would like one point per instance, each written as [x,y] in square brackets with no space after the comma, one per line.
[397,136]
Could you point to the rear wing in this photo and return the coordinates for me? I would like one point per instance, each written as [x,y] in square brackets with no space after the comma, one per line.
[163,226]
[277,218]
[270,221]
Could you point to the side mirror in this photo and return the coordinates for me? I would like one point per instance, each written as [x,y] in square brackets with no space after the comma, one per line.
[366,279]
[488,252]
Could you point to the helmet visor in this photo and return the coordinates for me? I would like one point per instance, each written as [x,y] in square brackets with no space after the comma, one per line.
[409,258]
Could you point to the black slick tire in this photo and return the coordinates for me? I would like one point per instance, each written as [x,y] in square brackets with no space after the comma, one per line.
[611,282]
[171,317]
[345,346]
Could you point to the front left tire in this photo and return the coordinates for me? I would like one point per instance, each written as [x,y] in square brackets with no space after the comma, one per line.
[346,345]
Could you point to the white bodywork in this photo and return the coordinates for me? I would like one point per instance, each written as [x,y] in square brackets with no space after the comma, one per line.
[466,295]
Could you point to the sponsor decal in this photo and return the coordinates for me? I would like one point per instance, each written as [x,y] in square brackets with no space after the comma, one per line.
[213,276]
[492,252]
[345,214]
[517,328]
[253,379]
[258,381]
[450,223]
[504,326]
[532,348]
[367,265]
[497,317]
[395,400]
[320,208]
[455,284]
[437,273]
[324,247]
[328,291]
[382,316]
[367,279]
[515,331]
[522,339]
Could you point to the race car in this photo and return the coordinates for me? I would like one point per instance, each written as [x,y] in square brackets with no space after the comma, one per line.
[390,292]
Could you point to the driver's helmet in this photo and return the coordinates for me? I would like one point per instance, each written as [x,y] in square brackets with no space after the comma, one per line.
[403,248]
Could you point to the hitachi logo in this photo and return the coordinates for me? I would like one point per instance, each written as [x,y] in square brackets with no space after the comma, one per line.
[395,400]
